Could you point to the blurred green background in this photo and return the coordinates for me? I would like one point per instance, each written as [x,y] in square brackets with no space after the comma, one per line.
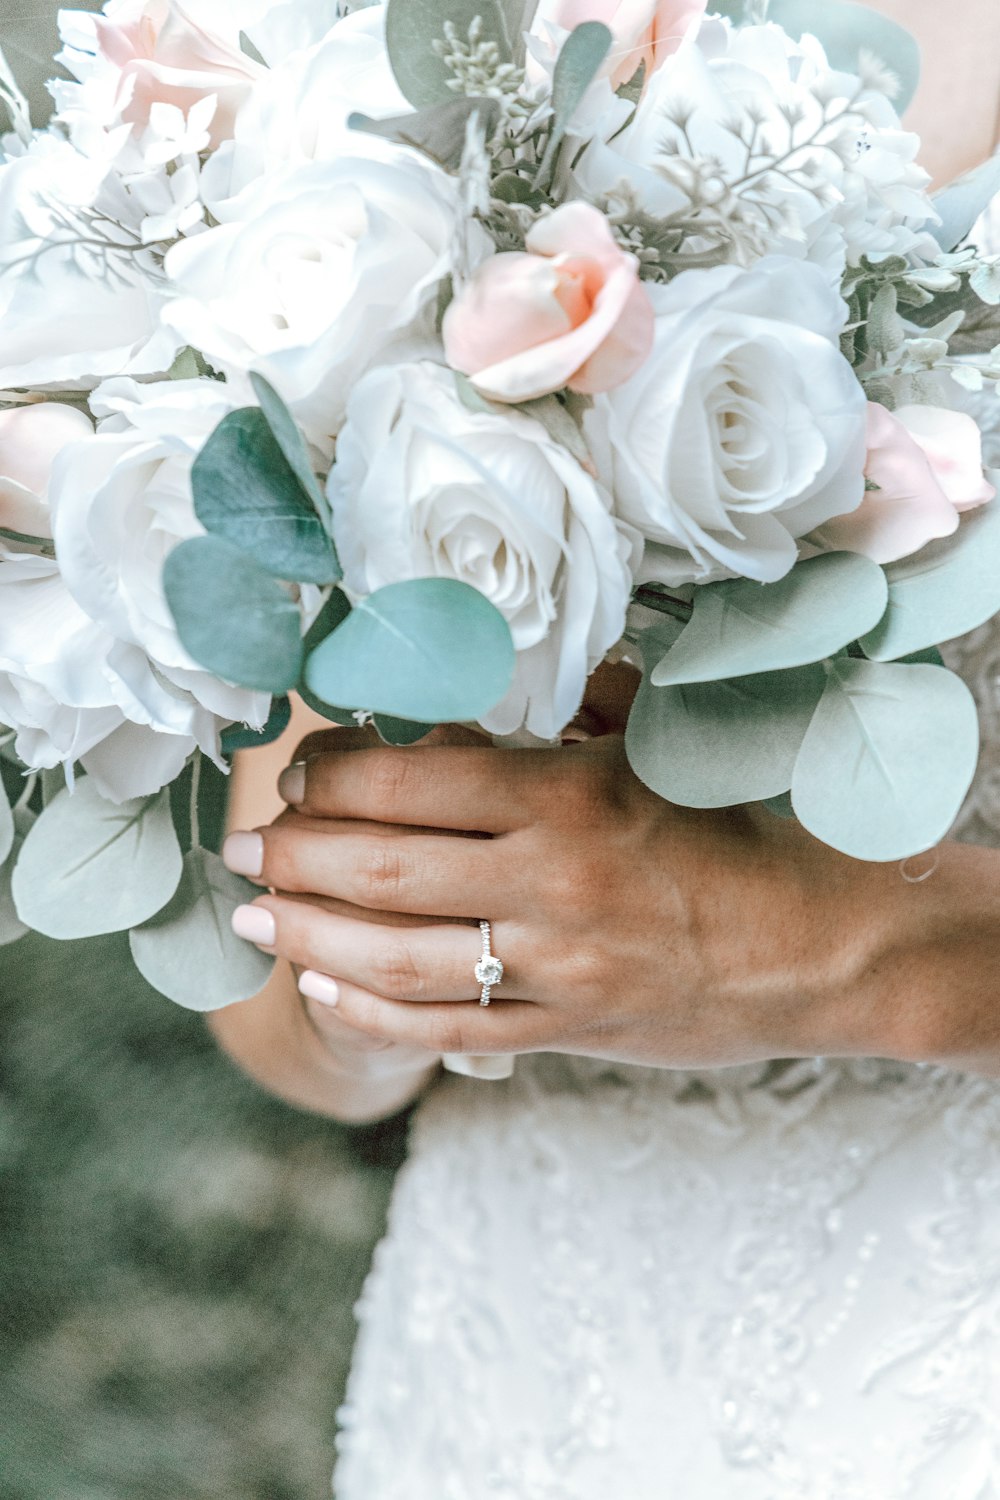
[179,1254]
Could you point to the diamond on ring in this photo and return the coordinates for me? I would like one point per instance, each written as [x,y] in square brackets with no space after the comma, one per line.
[489,969]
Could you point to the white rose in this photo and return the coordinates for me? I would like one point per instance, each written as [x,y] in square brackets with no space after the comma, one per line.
[298,112]
[426,488]
[334,261]
[733,103]
[120,503]
[744,430]
[71,313]
[30,438]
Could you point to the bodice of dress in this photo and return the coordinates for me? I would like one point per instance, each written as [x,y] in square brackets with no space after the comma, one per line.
[775,1282]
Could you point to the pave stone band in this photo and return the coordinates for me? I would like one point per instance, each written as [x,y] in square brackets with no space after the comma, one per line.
[489,969]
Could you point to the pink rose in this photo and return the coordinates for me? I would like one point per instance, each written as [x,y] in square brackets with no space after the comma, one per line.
[928,466]
[645,31]
[166,57]
[30,439]
[569,312]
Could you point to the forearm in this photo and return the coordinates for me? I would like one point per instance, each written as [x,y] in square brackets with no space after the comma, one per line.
[273,1039]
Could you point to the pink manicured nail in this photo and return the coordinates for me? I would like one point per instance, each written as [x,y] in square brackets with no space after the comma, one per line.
[255,925]
[292,784]
[244,854]
[319,987]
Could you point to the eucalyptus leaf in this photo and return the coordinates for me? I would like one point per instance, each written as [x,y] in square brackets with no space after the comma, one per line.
[246,491]
[289,439]
[431,650]
[845,30]
[578,64]
[400,731]
[887,760]
[11,926]
[946,589]
[232,617]
[960,204]
[334,613]
[89,866]
[716,744]
[413,26]
[438,130]
[241,737]
[6,825]
[780,807]
[740,627]
[189,951]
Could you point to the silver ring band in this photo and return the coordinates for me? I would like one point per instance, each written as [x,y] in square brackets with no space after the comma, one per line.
[489,969]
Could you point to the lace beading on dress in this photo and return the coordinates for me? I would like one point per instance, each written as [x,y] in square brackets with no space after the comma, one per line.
[763,1283]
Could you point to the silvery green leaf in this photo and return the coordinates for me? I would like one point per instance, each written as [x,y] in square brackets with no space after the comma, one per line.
[845,30]
[715,744]
[780,807]
[246,491]
[432,650]
[739,627]
[948,588]
[985,282]
[412,27]
[400,731]
[233,617]
[11,926]
[438,130]
[89,866]
[577,65]
[189,951]
[887,760]
[289,439]
[241,737]
[960,204]
[6,825]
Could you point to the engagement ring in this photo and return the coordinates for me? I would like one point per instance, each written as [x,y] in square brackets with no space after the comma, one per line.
[489,969]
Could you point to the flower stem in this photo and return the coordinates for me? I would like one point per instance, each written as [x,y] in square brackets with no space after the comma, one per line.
[195,788]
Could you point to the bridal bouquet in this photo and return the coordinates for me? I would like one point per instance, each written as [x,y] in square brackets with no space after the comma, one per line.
[417,357]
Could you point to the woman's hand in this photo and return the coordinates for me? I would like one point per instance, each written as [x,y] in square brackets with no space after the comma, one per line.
[630,929]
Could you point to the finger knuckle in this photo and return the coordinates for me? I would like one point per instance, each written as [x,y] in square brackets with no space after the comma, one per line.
[396,973]
[390,779]
[382,873]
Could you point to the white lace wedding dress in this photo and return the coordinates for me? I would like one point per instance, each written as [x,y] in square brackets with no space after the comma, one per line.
[764,1283]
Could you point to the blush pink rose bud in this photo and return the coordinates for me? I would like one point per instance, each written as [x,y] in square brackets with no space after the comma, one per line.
[928,466]
[165,56]
[30,439]
[644,31]
[569,312]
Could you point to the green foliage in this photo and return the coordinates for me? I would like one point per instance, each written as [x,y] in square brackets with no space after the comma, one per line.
[246,491]
[740,627]
[432,650]
[845,29]
[577,65]
[239,737]
[438,130]
[232,617]
[400,731]
[89,866]
[11,926]
[289,439]
[946,589]
[334,613]
[6,825]
[887,759]
[189,951]
[413,26]
[960,204]
[714,744]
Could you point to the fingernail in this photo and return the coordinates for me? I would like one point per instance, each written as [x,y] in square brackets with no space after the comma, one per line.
[255,925]
[292,784]
[243,853]
[319,987]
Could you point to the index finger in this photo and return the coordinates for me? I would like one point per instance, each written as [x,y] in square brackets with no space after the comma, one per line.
[458,788]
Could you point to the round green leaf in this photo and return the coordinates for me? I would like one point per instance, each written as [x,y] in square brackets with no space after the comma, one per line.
[716,744]
[400,731]
[887,760]
[233,619]
[431,650]
[943,591]
[740,627]
[89,866]
[189,952]
[239,737]
[11,926]
[289,439]
[245,490]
